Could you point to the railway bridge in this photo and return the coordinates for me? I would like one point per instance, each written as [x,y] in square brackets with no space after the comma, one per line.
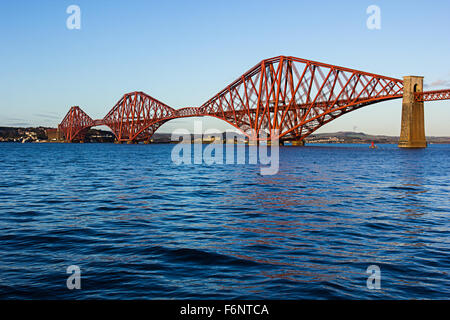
[287,98]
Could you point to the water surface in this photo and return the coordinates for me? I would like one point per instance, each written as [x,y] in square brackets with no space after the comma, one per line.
[140,226]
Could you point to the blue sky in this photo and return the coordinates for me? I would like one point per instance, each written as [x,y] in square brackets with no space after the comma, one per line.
[184,52]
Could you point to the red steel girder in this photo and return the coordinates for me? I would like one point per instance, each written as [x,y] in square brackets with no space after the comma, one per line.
[291,96]
[136,116]
[74,123]
[296,96]
[433,95]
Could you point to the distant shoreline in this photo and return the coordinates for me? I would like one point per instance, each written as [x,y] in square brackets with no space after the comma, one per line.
[47,135]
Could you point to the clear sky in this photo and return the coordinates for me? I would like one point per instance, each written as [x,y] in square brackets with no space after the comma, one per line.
[184,52]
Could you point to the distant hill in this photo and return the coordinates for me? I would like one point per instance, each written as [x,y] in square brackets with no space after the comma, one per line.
[361,137]
[39,134]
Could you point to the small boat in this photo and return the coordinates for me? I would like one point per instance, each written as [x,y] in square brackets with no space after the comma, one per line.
[373,146]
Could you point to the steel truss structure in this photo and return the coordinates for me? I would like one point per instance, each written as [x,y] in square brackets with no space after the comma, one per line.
[432,95]
[286,96]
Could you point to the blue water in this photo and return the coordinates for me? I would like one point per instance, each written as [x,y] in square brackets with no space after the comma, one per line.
[139,226]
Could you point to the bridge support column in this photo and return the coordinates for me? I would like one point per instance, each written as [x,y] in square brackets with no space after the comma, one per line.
[275,143]
[412,133]
[59,135]
[298,143]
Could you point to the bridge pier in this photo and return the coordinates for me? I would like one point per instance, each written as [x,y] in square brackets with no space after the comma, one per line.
[298,143]
[266,142]
[412,133]
[294,143]
[275,143]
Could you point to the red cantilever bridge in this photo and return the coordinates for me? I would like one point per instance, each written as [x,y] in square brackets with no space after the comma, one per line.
[290,96]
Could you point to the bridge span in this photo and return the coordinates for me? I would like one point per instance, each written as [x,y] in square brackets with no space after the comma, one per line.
[286,97]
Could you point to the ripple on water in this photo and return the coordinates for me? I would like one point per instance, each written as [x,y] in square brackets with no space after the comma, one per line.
[157,230]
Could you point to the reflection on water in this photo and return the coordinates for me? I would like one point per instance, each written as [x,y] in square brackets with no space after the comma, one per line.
[141,227]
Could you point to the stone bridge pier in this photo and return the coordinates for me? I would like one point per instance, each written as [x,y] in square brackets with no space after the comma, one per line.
[412,134]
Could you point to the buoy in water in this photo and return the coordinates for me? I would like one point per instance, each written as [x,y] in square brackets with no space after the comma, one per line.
[373,146]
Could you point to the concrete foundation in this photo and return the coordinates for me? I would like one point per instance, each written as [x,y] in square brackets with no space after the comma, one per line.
[298,143]
[274,143]
[412,133]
